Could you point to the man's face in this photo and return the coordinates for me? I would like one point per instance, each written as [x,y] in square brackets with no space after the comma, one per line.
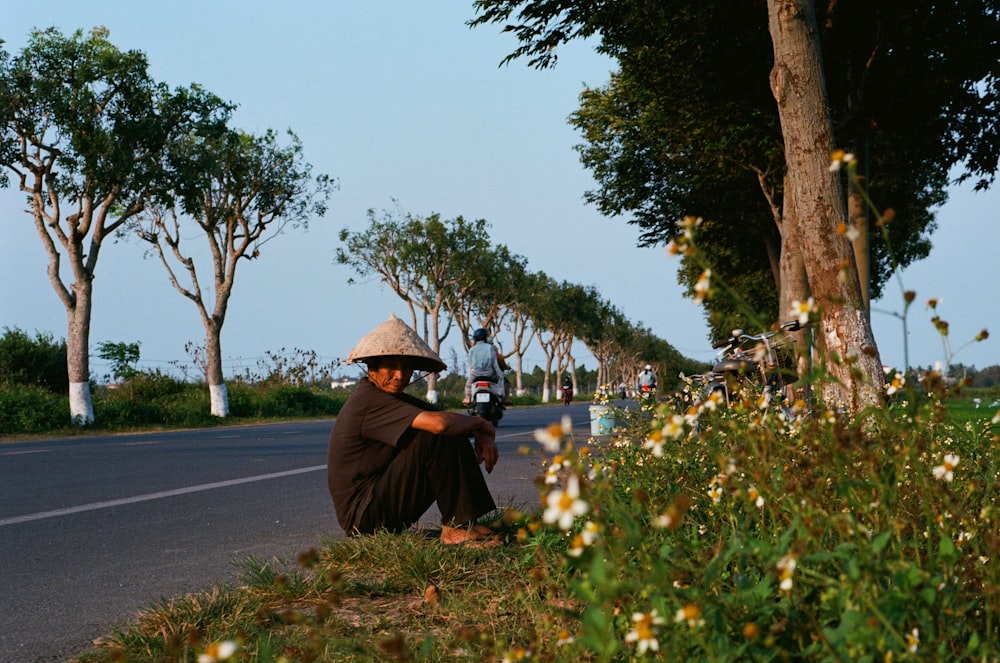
[390,374]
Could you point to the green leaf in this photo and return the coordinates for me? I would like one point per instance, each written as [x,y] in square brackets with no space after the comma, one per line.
[881,541]
[946,549]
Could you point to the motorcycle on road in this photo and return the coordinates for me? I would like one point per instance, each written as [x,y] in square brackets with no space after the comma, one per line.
[485,402]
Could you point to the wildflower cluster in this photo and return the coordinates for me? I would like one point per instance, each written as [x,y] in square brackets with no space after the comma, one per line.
[761,526]
[603,395]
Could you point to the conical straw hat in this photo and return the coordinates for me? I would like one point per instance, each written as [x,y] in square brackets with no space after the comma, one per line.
[394,338]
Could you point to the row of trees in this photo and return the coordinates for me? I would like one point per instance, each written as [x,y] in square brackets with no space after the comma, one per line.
[100,149]
[453,277]
[730,111]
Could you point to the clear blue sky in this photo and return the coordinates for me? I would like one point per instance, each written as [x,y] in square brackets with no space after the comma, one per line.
[401,101]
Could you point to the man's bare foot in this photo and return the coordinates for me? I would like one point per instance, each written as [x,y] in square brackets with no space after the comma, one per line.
[478,535]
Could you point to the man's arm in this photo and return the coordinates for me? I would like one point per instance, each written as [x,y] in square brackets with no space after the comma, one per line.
[452,423]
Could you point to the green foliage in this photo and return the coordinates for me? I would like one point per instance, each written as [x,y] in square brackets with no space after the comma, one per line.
[123,357]
[301,401]
[687,124]
[27,409]
[154,400]
[151,399]
[813,538]
[39,361]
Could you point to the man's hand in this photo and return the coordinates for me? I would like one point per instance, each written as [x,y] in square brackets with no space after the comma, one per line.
[486,450]
[453,423]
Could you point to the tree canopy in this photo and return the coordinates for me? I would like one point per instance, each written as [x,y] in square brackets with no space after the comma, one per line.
[82,128]
[713,95]
[241,191]
[688,125]
[450,273]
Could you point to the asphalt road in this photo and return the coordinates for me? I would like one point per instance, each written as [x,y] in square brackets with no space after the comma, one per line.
[93,530]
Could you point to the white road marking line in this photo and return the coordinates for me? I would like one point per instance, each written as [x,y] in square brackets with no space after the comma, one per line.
[154,496]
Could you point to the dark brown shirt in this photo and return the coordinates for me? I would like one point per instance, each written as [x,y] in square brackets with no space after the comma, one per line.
[367,434]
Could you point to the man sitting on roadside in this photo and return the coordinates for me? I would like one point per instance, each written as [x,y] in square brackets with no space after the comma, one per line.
[391,455]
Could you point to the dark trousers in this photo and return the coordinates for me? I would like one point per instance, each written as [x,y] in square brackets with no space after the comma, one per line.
[431,468]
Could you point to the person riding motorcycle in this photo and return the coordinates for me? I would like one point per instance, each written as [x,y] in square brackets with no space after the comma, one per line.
[567,389]
[647,381]
[484,364]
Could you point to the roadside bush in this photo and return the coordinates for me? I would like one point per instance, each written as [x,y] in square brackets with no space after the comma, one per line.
[40,361]
[242,399]
[155,385]
[125,413]
[302,401]
[270,400]
[26,409]
[189,408]
[151,399]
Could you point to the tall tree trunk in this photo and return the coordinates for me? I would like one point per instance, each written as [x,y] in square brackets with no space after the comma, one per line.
[845,338]
[432,378]
[857,215]
[81,407]
[217,393]
[546,381]
[794,285]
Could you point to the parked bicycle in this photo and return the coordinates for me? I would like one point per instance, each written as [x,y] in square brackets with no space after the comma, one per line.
[758,364]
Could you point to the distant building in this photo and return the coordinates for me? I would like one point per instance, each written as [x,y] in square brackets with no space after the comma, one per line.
[343,383]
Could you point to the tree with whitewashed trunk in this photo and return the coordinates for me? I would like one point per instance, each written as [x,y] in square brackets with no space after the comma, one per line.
[428,262]
[240,191]
[82,128]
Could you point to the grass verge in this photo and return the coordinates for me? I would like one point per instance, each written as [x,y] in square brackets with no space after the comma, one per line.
[703,534]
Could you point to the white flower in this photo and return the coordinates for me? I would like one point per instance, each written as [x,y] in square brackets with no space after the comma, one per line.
[701,287]
[665,520]
[896,384]
[913,641]
[786,567]
[674,428]
[654,442]
[840,158]
[563,506]
[218,651]
[552,436]
[945,471]
[691,614]
[586,537]
[802,310]
[590,532]
[643,633]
